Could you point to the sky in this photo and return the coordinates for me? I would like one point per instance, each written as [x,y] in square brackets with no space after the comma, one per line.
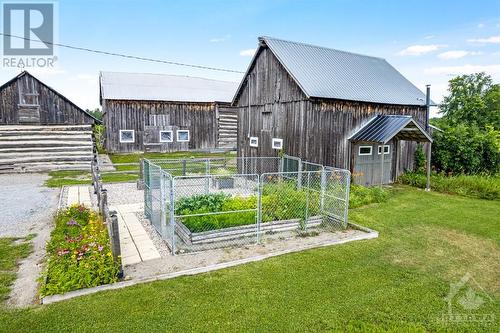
[429,42]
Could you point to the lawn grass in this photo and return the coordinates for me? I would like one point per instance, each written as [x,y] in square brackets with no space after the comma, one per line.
[78,177]
[11,251]
[394,283]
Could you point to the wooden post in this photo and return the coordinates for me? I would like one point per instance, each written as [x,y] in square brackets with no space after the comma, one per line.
[428,185]
[183,167]
[115,240]
[103,203]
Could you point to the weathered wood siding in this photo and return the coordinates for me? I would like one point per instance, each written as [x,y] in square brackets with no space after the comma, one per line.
[49,107]
[146,118]
[227,127]
[315,130]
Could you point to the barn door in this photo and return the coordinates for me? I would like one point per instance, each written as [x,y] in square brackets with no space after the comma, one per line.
[367,164]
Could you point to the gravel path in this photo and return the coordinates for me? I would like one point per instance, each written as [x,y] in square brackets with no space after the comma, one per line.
[27,207]
[24,201]
[123,193]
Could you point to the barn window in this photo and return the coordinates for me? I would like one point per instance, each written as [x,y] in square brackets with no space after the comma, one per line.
[254,141]
[182,136]
[386,149]
[277,143]
[127,136]
[166,136]
[365,150]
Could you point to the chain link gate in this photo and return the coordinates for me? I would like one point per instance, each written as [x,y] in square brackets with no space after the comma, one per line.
[198,204]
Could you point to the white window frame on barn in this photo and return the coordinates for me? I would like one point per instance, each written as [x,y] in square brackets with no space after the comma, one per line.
[127,141]
[277,141]
[171,135]
[188,136]
[365,154]
[385,152]
[254,141]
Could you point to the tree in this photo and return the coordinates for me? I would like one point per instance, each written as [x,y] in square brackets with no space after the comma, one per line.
[97,113]
[473,100]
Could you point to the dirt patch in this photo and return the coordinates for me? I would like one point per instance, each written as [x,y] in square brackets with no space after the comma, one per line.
[170,263]
[449,254]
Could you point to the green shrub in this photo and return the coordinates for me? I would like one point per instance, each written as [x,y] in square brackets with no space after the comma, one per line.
[99,135]
[463,149]
[79,253]
[484,187]
[361,195]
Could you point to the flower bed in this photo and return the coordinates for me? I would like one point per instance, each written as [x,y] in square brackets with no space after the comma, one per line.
[79,253]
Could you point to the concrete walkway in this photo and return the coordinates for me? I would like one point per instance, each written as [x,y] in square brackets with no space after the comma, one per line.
[79,195]
[136,246]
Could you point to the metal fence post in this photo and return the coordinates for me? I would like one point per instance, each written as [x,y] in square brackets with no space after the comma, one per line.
[347,184]
[207,178]
[299,175]
[184,167]
[163,201]
[172,213]
[259,206]
[323,188]
[306,217]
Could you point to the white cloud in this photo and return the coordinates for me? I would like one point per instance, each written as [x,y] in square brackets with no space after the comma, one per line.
[480,25]
[247,52]
[456,54]
[219,39]
[416,50]
[429,37]
[491,40]
[463,69]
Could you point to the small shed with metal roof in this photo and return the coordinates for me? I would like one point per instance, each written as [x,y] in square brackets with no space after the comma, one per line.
[165,113]
[314,102]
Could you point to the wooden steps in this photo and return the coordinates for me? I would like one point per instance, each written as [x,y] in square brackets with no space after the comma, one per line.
[29,148]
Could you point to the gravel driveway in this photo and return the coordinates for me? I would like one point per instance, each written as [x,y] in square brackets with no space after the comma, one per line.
[24,202]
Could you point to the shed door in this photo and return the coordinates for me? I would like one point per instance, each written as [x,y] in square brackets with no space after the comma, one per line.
[367,164]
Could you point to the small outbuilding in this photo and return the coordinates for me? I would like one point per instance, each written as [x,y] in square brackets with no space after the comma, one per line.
[167,113]
[320,104]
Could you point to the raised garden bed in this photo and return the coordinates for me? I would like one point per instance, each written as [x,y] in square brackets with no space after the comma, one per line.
[232,233]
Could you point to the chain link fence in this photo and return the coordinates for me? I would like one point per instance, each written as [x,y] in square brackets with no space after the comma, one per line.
[198,204]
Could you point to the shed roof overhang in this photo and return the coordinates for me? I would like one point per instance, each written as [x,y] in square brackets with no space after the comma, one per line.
[383,128]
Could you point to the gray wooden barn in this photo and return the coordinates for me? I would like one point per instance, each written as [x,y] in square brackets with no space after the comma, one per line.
[166,113]
[316,102]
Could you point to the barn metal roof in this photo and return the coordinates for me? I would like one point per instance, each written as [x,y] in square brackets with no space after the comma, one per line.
[163,87]
[327,73]
[383,128]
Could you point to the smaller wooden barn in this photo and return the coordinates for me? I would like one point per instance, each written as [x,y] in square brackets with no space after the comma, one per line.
[166,113]
[25,100]
[41,129]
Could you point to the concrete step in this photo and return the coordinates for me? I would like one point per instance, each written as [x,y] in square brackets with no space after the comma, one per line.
[38,137]
[48,128]
[45,143]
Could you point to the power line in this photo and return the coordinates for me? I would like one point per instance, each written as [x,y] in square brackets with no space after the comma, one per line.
[122,55]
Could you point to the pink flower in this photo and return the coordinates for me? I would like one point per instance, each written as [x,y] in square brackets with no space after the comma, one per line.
[100,248]
[72,222]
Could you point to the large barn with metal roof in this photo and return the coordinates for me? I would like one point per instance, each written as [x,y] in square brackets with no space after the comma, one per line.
[331,107]
[166,113]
